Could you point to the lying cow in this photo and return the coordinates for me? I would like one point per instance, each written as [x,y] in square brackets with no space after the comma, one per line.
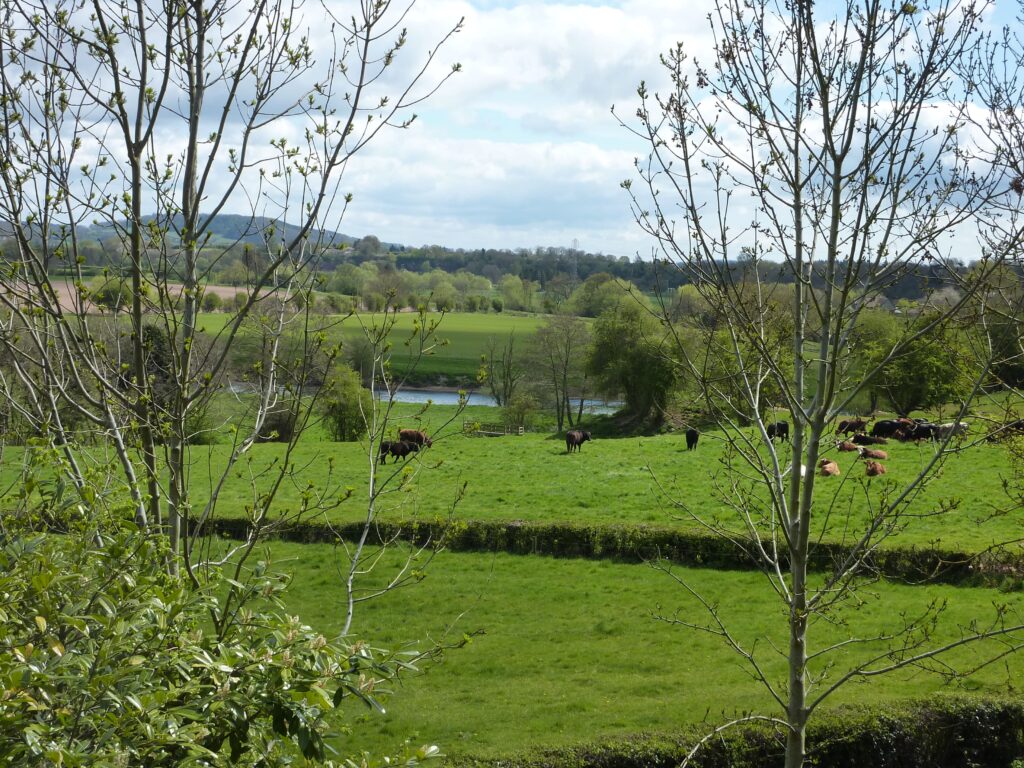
[417,436]
[874,469]
[828,468]
[846,445]
[873,453]
[861,439]
[575,438]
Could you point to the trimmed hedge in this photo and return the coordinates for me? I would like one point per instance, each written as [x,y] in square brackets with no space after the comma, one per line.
[953,731]
[641,543]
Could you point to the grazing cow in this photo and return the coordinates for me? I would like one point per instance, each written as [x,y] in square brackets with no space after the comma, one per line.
[575,438]
[845,445]
[874,469]
[871,453]
[952,429]
[400,449]
[846,426]
[828,468]
[886,428]
[691,439]
[416,436]
[779,429]
[924,430]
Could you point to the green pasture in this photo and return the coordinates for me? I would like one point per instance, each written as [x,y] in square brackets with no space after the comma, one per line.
[461,338]
[570,649]
[649,480]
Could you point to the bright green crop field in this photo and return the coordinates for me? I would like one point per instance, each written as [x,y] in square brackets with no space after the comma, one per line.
[462,338]
[571,651]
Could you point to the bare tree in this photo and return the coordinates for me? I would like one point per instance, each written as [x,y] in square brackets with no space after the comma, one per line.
[840,147]
[560,351]
[504,368]
[147,122]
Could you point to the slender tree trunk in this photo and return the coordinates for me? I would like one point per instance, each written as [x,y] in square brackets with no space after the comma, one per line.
[143,394]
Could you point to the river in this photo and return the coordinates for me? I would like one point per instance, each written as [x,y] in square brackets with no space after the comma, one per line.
[451,397]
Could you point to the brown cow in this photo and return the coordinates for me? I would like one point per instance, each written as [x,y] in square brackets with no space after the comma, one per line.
[828,468]
[417,436]
[846,445]
[846,426]
[874,469]
[873,453]
[575,438]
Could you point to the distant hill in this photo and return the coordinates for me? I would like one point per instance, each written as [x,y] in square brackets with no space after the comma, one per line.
[228,228]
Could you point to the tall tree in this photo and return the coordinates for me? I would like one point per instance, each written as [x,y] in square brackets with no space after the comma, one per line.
[504,367]
[629,357]
[559,349]
[157,118]
[832,140]
[146,121]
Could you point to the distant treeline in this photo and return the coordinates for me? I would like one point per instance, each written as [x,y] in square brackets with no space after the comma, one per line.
[235,253]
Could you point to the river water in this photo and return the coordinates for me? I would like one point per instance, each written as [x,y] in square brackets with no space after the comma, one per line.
[451,397]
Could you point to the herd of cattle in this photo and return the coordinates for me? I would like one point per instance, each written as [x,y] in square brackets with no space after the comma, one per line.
[901,429]
[854,431]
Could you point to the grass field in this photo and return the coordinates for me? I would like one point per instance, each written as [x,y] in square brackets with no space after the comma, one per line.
[571,651]
[634,480]
[462,338]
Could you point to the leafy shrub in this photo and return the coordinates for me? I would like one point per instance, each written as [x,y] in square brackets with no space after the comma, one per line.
[107,659]
[212,302]
[279,424]
[345,404]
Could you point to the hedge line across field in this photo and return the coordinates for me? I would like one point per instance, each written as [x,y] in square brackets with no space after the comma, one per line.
[946,732]
[640,543]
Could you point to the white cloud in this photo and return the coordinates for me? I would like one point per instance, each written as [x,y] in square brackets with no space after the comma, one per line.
[520,149]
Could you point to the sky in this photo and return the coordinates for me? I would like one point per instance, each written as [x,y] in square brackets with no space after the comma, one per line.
[520,149]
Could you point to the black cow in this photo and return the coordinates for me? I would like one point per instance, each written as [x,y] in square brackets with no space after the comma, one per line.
[575,438]
[886,428]
[691,439]
[400,449]
[779,429]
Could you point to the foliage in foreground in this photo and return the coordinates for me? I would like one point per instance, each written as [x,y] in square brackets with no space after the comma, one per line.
[105,659]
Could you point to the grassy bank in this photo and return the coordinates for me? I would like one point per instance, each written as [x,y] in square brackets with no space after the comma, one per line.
[646,480]
[570,651]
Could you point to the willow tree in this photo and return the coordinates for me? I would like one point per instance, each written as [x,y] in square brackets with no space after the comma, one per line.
[838,141]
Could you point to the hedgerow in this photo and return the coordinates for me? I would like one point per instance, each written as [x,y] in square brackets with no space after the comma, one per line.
[641,543]
[949,731]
